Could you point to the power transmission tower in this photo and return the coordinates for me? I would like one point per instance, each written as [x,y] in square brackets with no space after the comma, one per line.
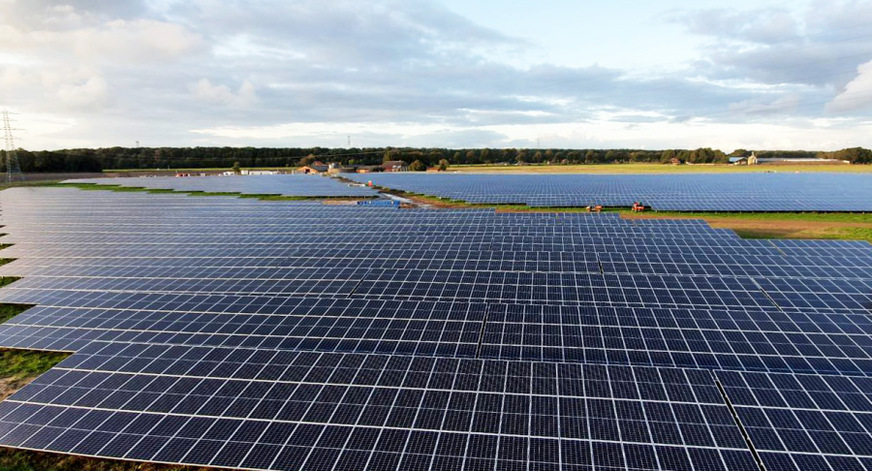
[13,168]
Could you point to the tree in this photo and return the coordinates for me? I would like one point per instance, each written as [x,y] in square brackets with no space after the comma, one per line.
[591,157]
[855,155]
[705,155]
[417,166]
[236,168]
[443,165]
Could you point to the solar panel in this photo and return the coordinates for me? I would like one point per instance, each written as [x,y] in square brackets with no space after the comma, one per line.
[287,185]
[294,335]
[684,192]
[225,407]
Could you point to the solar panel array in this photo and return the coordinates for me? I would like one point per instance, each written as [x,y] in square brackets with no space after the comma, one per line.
[287,185]
[294,335]
[684,192]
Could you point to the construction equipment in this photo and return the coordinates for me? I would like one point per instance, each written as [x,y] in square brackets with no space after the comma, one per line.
[638,207]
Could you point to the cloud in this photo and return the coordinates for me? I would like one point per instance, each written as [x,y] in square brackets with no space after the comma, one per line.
[763,26]
[818,47]
[54,88]
[784,104]
[90,93]
[134,41]
[857,94]
[204,91]
[37,12]
[397,72]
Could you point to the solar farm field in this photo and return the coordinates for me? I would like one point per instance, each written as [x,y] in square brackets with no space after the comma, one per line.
[294,335]
[658,168]
[687,192]
[303,186]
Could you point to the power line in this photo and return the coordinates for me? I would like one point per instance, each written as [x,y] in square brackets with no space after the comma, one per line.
[13,167]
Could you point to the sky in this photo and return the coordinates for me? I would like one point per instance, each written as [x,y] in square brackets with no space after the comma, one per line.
[438,73]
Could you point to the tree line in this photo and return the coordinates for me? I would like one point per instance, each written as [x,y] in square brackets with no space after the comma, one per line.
[149,158]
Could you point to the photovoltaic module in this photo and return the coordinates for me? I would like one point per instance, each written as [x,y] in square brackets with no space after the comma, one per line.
[292,335]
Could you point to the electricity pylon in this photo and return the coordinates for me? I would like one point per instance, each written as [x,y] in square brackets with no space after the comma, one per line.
[13,168]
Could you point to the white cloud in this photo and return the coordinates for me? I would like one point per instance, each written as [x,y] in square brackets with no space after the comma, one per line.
[53,87]
[858,92]
[90,93]
[135,41]
[204,91]
[784,104]
[109,43]
[417,73]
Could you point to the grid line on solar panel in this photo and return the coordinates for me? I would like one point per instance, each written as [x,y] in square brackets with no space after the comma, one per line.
[684,409]
[762,340]
[696,192]
[289,185]
[797,421]
[581,291]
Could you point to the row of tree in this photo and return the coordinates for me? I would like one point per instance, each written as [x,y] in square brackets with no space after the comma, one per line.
[95,160]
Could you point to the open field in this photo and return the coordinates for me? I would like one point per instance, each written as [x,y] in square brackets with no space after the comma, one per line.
[846,226]
[4,185]
[660,168]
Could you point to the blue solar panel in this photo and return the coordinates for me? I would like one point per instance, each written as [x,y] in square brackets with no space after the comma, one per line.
[295,335]
[287,185]
[685,192]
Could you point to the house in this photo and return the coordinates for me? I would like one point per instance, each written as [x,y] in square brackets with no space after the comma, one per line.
[395,166]
[751,160]
[337,167]
[313,168]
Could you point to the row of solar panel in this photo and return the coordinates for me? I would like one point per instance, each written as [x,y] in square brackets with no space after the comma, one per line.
[199,361]
[133,394]
[763,340]
[695,192]
[291,185]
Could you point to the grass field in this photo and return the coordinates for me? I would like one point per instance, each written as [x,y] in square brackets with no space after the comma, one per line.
[659,168]
[4,185]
